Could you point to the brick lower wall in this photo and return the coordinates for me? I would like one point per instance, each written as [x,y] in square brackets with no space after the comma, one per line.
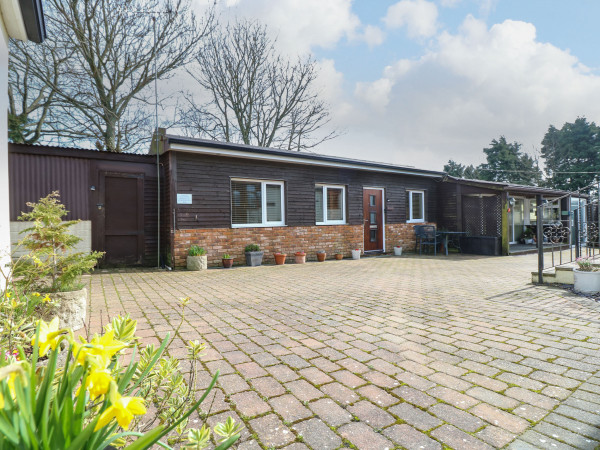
[401,234]
[311,239]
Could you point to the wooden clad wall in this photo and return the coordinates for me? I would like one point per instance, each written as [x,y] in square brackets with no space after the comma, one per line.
[208,179]
[35,171]
[33,176]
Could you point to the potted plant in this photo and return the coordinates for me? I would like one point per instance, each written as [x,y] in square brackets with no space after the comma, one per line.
[528,236]
[398,250]
[300,257]
[280,258]
[227,261]
[52,266]
[356,253]
[321,255]
[197,259]
[587,277]
[338,255]
[254,255]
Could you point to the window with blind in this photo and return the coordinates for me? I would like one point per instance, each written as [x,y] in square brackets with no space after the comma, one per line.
[256,203]
[330,205]
[416,206]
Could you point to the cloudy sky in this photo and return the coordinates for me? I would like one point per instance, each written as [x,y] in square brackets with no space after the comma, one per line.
[418,82]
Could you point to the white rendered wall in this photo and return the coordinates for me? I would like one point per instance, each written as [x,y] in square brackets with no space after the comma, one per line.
[4,211]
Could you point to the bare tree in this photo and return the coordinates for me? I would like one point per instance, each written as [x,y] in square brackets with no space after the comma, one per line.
[33,72]
[115,48]
[257,97]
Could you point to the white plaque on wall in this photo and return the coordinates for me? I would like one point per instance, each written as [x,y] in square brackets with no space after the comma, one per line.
[184,199]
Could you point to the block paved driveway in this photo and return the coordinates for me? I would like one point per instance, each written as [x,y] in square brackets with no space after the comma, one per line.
[424,353]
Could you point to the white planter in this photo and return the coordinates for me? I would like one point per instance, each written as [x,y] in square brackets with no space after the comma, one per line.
[356,254]
[586,282]
[71,308]
[397,251]
[197,262]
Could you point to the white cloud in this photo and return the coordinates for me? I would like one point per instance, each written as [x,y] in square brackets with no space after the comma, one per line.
[450,3]
[299,25]
[474,86]
[419,17]
[373,36]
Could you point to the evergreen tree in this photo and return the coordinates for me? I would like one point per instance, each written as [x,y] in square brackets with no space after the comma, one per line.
[574,148]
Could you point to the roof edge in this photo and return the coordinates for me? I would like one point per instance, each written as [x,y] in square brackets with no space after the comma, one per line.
[293,157]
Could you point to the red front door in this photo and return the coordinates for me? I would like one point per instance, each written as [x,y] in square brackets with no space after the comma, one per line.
[373,218]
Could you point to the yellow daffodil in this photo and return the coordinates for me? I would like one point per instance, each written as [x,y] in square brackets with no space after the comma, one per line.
[7,294]
[10,373]
[36,294]
[49,336]
[98,383]
[99,351]
[46,299]
[123,409]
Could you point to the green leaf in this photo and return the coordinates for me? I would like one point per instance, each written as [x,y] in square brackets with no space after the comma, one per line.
[228,443]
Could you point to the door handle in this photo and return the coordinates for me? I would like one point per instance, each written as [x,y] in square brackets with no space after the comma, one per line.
[99,205]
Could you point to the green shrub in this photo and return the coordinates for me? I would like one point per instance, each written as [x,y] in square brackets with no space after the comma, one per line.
[252,248]
[51,264]
[227,256]
[98,399]
[196,250]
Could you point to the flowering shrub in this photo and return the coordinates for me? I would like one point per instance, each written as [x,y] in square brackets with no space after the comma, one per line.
[585,265]
[97,399]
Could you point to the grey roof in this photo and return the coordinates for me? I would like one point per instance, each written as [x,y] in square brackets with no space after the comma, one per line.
[512,187]
[33,18]
[251,149]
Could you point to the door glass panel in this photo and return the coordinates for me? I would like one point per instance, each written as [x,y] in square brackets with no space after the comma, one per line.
[319,203]
[372,200]
[273,203]
[334,204]
[373,218]
[518,217]
[373,235]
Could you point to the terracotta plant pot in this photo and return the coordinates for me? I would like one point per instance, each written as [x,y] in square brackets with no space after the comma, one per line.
[339,256]
[227,263]
[321,256]
[280,258]
[300,257]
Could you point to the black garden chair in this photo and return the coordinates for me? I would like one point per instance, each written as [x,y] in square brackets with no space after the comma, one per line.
[427,236]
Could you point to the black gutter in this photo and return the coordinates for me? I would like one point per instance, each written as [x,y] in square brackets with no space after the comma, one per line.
[33,17]
[290,154]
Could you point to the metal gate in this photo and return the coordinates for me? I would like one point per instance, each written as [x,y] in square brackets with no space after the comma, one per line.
[568,234]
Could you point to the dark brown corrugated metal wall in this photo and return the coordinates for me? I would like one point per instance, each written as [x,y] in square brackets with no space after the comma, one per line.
[35,176]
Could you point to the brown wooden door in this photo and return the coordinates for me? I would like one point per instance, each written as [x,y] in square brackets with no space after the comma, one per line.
[373,218]
[121,217]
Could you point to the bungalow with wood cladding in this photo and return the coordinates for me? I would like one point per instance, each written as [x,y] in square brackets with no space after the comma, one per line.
[224,196]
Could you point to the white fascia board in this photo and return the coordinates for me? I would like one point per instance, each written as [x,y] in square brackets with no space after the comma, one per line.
[291,159]
[13,19]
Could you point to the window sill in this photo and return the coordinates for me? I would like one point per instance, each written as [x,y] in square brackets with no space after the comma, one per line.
[259,225]
[329,223]
[416,221]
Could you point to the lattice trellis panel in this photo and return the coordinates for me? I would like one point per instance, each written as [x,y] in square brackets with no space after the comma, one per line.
[482,216]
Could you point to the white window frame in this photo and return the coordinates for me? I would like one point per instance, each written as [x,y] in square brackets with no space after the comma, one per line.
[410,208]
[263,205]
[337,187]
